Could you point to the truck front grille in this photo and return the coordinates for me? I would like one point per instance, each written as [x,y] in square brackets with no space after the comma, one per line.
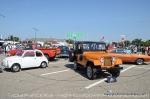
[107,61]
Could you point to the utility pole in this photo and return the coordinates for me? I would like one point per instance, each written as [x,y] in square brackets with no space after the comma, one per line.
[3,16]
[35,31]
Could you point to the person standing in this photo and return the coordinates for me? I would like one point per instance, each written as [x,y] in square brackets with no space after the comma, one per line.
[135,49]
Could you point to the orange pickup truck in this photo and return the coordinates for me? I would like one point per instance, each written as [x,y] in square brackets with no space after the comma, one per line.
[50,53]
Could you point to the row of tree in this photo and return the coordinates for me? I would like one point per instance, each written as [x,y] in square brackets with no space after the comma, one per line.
[12,38]
[137,42]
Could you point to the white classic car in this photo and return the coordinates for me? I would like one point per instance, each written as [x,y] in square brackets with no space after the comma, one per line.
[25,59]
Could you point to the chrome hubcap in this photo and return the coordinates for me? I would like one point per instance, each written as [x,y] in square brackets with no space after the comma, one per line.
[140,61]
[43,64]
[15,68]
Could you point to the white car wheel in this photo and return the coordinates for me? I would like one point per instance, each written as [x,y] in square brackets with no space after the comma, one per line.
[15,68]
[43,65]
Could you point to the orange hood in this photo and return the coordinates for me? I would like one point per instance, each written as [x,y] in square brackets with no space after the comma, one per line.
[95,55]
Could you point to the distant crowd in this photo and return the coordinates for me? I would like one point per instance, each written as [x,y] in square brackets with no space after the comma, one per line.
[142,49]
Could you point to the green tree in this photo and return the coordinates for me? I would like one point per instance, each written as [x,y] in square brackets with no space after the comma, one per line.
[70,41]
[12,38]
[147,43]
[127,43]
[137,42]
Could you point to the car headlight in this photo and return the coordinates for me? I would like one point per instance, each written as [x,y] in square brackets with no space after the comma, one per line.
[113,60]
[72,54]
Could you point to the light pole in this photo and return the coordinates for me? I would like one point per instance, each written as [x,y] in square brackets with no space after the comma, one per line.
[35,30]
[3,16]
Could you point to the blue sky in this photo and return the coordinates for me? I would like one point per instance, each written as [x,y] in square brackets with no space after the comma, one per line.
[93,18]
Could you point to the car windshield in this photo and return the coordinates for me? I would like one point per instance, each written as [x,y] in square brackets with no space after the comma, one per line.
[19,53]
[92,46]
[64,48]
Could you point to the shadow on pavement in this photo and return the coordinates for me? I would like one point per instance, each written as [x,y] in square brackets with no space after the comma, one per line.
[24,69]
[82,72]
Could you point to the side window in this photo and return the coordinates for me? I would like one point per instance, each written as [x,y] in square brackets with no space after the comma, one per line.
[114,51]
[29,54]
[38,54]
[120,51]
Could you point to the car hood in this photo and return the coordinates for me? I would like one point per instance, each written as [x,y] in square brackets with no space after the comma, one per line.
[95,55]
[11,58]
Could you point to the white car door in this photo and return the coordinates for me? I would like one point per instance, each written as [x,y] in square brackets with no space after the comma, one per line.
[39,58]
[29,59]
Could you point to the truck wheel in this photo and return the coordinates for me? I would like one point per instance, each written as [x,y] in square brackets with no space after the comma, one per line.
[139,61]
[15,68]
[91,72]
[115,72]
[43,65]
[76,66]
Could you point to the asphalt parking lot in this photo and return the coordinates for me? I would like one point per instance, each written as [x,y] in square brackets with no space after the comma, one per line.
[60,81]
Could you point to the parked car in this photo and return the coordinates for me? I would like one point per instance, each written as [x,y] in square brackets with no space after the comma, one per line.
[50,53]
[139,59]
[64,51]
[25,59]
[1,70]
[93,57]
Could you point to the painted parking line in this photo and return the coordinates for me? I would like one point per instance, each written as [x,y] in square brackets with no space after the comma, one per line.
[98,82]
[127,68]
[57,62]
[56,72]
[143,68]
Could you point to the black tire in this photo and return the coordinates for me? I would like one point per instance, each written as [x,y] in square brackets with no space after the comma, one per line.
[115,72]
[43,65]
[91,72]
[1,70]
[139,61]
[15,68]
[76,66]
[47,57]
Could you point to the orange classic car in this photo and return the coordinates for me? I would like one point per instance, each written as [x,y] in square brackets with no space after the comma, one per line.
[127,56]
[93,57]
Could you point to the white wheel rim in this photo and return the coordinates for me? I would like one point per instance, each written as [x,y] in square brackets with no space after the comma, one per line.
[15,68]
[43,64]
[140,61]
